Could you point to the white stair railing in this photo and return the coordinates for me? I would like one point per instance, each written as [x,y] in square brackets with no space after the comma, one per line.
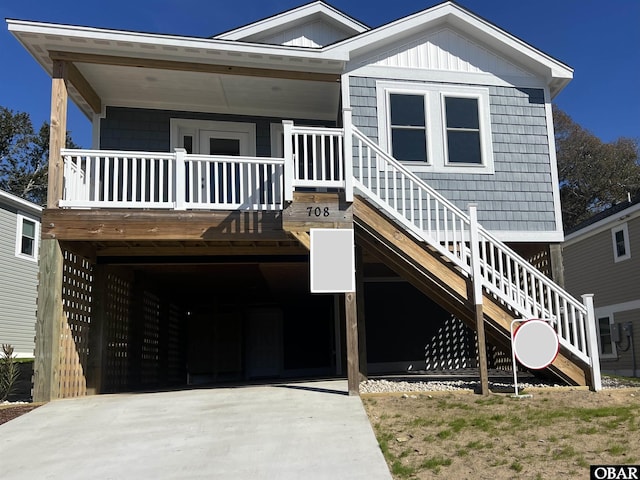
[435,220]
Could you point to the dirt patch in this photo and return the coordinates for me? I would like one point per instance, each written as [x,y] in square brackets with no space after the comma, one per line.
[10,411]
[557,433]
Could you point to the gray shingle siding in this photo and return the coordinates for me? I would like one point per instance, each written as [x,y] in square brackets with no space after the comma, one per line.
[18,288]
[519,195]
[150,130]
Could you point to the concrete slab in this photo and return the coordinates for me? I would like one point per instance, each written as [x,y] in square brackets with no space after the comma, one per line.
[288,431]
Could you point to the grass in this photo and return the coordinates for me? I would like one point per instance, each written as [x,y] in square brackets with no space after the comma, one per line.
[508,435]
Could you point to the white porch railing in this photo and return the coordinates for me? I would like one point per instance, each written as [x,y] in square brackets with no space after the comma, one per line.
[118,179]
[435,220]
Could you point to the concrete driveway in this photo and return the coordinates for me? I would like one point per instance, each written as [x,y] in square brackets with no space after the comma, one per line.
[288,431]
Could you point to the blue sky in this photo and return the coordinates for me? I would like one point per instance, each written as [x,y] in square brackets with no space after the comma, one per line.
[599,39]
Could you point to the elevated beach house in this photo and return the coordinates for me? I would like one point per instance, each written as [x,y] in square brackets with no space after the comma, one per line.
[176,249]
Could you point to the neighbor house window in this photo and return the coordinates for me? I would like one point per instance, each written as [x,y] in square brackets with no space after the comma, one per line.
[27,238]
[621,247]
[605,336]
[436,127]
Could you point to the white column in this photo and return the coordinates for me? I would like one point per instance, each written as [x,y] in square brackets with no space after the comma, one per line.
[347,124]
[181,193]
[289,168]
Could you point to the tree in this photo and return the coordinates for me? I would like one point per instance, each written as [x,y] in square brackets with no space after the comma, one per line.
[593,175]
[24,156]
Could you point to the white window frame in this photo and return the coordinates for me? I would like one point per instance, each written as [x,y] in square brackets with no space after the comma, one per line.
[435,120]
[614,351]
[243,131]
[625,235]
[20,218]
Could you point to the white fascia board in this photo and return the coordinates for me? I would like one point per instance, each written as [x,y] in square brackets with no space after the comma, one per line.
[291,17]
[449,13]
[20,203]
[73,31]
[605,224]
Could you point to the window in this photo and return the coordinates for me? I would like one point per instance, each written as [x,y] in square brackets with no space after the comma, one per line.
[605,337]
[441,128]
[463,130]
[27,237]
[621,247]
[408,127]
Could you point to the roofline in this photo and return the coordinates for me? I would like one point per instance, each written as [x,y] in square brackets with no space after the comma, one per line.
[25,26]
[278,19]
[615,218]
[20,202]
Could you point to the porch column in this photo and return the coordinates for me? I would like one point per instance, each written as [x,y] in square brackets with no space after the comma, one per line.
[50,314]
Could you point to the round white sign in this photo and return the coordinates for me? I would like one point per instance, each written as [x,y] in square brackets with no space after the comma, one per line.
[535,344]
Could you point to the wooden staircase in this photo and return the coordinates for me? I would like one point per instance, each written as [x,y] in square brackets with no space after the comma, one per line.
[439,278]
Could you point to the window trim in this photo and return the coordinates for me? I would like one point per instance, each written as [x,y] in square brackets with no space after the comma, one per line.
[625,235]
[435,120]
[20,218]
[614,351]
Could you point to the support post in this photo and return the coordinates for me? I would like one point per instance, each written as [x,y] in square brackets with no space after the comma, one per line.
[57,132]
[476,282]
[347,124]
[362,332]
[592,343]
[351,323]
[556,263]
[181,192]
[289,167]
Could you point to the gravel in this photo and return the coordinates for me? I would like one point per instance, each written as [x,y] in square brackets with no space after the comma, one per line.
[390,385]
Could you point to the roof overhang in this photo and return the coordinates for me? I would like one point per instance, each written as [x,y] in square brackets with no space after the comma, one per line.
[20,203]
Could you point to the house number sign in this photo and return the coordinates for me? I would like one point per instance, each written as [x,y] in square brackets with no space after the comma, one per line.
[318,211]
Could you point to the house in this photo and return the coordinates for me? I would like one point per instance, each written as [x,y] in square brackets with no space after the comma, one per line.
[19,242]
[176,250]
[601,255]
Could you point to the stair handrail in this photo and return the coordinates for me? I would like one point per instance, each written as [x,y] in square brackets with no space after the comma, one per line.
[523,288]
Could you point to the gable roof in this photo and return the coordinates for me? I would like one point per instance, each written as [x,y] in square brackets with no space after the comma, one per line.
[604,220]
[318,11]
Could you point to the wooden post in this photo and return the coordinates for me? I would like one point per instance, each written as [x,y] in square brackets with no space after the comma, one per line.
[97,335]
[50,312]
[556,264]
[57,132]
[476,280]
[362,332]
[592,343]
[46,380]
[351,324]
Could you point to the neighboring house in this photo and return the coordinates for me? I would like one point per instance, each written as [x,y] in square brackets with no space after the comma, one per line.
[602,256]
[177,249]
[19,241]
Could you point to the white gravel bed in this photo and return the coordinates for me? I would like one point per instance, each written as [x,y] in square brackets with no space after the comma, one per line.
[403,385]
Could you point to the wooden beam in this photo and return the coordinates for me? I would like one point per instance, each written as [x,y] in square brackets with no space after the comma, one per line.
[57,131]
[128,225]
[317,210]
[351,324]
[50,314]
[191,66]
[84,88]
[204,251]
[304,238]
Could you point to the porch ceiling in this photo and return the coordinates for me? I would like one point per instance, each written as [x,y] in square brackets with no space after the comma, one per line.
[212,92]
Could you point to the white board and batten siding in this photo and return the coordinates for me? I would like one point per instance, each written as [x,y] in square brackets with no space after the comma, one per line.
[18,277]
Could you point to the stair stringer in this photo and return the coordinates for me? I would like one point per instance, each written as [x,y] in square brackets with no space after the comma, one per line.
[442,281]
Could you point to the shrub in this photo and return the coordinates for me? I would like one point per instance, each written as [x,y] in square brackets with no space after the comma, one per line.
[9,371]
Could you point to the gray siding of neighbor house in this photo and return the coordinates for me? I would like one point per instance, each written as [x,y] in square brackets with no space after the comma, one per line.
[18,288]
[150,130]
[589,267]
[519,195]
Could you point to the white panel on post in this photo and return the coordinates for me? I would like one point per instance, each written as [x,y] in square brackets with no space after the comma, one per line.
[332,260]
